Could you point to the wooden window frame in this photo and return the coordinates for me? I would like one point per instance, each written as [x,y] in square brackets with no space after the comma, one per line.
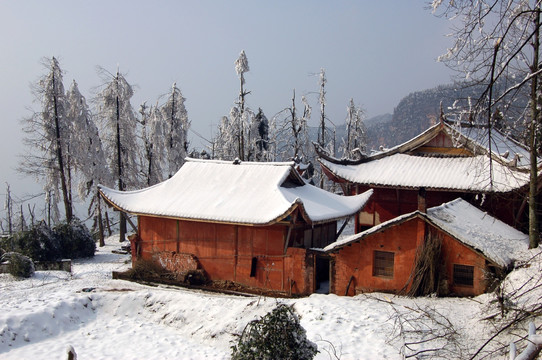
[463,275]
[383,263]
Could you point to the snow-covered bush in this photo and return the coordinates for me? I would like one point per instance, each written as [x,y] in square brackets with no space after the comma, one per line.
[39,243]
[42,243]
[75,240]
[277,335]
[19,265]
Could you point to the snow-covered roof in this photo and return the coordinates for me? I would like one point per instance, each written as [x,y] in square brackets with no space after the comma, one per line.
[473,138]
[469,174]
[245,193]
[497,241]
[503,147]
[405,167]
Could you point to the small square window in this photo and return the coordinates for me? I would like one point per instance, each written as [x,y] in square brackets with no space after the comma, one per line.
[383,263]
[463,275]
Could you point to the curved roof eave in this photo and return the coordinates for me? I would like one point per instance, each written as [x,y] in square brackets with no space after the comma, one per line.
[276,220]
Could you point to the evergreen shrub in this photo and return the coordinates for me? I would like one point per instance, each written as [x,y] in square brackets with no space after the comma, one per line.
[19,265]
[75,240]
[39,243]
[277,335]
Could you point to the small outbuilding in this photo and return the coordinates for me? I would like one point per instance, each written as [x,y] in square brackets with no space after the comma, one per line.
[453,249]
[249,223]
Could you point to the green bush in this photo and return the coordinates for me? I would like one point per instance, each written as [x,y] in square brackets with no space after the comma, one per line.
[39,243]
[277,335]
[75,240]
[19,265]
[42,243]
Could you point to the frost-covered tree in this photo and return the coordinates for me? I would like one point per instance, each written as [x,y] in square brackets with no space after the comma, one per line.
[48,138]
[87,154]
[259,149]
[154,145]
[119,135]
[176,130]
[234,137]
[498,42]
[224,143]
[293,136]
[326,137]
[322,102]
[355,141]
[8,206]
[239,118]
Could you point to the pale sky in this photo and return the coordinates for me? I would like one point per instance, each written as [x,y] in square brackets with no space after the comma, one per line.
[373,51]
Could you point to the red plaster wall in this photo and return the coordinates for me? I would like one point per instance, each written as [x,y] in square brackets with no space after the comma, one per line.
[357,260]
[299,274]
[386,204]
[454,252]
[225,251]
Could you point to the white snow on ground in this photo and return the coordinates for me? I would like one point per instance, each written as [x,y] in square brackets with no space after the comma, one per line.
[41,316]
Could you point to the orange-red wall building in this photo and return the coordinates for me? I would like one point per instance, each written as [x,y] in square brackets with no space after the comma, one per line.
[250,255]
[354,263]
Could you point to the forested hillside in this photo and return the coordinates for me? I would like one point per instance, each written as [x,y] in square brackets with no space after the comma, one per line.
[414,114]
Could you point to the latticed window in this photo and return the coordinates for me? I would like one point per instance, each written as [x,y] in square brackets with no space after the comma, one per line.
[383,263]
[463,275]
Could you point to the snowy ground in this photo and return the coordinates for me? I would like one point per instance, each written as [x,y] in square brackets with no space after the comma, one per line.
[104,318]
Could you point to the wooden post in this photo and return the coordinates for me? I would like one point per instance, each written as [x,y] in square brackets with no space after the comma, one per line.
[71,353]
[422,202]
[348,286]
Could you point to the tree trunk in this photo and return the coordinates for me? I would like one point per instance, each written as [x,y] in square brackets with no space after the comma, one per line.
[241,128]
[100,221]
[122,219]
[60,159]
[108,224]
[171,127]
[535,113]
[8,209]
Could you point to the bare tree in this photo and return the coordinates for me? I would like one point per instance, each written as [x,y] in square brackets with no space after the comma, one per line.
[293,131]
[355,142]
[498,43]
[9,209]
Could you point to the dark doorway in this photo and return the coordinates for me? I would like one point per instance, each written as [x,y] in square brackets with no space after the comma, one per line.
[322,275]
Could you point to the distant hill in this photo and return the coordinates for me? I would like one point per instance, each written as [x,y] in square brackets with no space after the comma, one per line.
[419,110]
[414,114]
